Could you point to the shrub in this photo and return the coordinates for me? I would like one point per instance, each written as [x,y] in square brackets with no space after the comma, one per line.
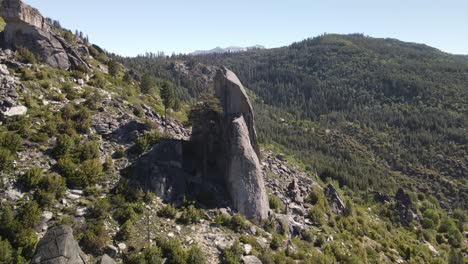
[53,184]
[26,74]
[191,215]
[119,153]
[6,159]
[238,223]
[126,230]
[91,172]
[27,56]
[276,204]
[317,215]
[432,215]
[31,178]
[173,251]
[89,150]
[168,211]
[6,252]
[64,145]
[125,213]
[276,241]
[70,91]
[195,255]
[29,214]
[233,254]
[11,141]
[145,142]
[95,237]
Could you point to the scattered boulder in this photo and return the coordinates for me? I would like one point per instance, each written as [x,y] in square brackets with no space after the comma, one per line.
[107,260]
[294,193]
[15,111]
[251,260]
[58,246]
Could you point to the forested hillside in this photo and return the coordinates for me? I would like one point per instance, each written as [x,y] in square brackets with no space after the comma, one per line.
[366,112]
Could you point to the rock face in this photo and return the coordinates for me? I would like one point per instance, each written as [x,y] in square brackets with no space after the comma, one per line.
[26,27]
[161,170]
[58,247]
[244,176]
[235,101]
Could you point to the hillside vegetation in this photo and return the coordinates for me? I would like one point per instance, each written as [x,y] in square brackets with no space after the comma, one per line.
[364,111]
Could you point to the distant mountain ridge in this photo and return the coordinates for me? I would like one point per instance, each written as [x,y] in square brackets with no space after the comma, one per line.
[231,49]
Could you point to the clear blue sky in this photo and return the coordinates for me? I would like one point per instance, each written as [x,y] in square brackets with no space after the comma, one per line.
[134,27]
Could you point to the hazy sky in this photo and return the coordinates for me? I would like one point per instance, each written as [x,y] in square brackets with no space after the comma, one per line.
[134,27]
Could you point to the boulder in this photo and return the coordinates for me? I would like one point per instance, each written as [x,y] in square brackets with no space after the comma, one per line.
[244,175]
[4,69]
[107,260]
[15,111]
[58,246]
[26,27]
[251,260]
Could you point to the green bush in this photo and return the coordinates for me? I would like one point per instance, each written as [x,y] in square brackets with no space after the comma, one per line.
[238,223]
[151,255]
[276,241]
[173,251]
[126,230]
[31,178]
[195,255]
[6,159]
[27,56]
[95,237]
[72,94]
[91,172]
[64,145]
[168,211]
[276,204]
[317,215]
[233,254]
[191,215]
[6,252]
[89,150]
[11,141]
[145,142]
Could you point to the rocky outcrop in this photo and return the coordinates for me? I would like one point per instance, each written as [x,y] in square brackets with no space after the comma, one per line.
[27,28]
[336,203]
[244,175]
[161,170]
[405,207]
[235,101]
[9,98]
[58,246]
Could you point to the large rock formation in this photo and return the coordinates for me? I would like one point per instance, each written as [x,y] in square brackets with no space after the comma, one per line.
[244,176]
[27,28]
[235,101]
[58,247]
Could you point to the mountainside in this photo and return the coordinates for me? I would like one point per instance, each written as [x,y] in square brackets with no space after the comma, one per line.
[338,149]
[366,112]
[230,49]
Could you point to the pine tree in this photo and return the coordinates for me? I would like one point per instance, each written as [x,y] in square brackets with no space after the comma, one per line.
[147,84]
[167,96]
